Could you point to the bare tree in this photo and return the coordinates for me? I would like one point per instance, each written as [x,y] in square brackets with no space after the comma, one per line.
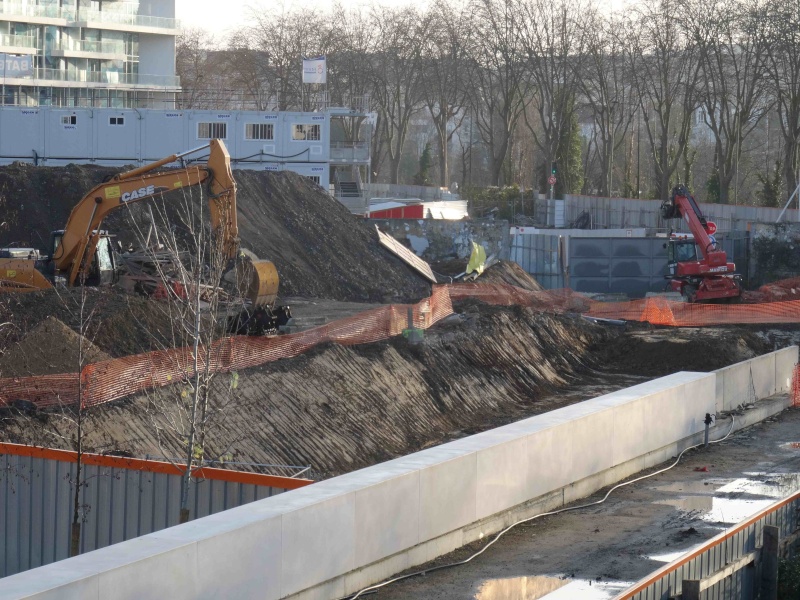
[554,37]
[500,87]
[782,33]
[190,258]
[733,91]
[397,76]
[446,81]
[196,66]
[608,92]
[666,66]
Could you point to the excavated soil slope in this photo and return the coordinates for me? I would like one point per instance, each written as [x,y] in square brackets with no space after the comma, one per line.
[342,408]
[319,248]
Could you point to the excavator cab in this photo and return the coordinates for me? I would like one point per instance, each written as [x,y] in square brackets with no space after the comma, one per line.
[104,269]
[680,249]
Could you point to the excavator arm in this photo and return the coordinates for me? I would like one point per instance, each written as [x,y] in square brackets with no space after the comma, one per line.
[78,244]
[682,205]
[82,231]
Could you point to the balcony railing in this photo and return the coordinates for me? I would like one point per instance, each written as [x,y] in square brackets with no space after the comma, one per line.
[18,41]
[105,77]
[104,47]
[122,18]
[26,10]
[98,16]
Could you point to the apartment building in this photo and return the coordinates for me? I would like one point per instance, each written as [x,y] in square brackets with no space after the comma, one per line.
[88,53]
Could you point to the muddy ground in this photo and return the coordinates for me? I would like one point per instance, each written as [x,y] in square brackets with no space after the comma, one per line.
[599,551]
[339,408]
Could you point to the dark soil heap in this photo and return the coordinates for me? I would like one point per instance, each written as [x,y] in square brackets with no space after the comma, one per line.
[49,348]
[318,247]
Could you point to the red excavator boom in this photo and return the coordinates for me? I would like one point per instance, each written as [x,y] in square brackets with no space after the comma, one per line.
[710,278]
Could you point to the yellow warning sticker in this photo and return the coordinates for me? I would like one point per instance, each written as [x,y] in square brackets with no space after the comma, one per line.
[113,192]
[11,274]
[177,184]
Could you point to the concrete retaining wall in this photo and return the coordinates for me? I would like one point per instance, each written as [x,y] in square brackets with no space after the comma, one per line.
[754,379]
[337,536]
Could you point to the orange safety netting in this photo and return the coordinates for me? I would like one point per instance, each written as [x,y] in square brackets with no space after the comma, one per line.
[117,378]
[796,386]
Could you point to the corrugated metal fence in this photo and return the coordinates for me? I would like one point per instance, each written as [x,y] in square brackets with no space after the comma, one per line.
[609,213]
[613,265]
[117,503]
[727,567]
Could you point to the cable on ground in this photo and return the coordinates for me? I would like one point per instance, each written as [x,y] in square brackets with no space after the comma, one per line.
[372,588]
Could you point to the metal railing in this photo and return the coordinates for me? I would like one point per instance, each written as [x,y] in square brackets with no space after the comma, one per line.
[123,18]
[100,46]
[18,41]
[126,17]
[27,10]
[726,566]
[105,77]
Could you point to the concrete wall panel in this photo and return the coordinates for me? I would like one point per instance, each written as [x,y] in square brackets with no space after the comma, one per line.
[548,460]
[387,518]
[247,573]
[763,369]
[447,496]
[148,568]
[318,543]
[502,477]
[785,361]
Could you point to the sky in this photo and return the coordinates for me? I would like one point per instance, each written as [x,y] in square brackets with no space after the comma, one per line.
[220,18]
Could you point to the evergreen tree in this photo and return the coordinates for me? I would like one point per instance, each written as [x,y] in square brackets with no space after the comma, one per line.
[425,163]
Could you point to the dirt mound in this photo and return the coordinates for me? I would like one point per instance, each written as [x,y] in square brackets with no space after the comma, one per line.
[510,273]
[777,291]
[49,348]
[319,248]
[659,352]
[117,323]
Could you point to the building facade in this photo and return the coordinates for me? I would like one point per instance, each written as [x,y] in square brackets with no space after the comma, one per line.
[88,53]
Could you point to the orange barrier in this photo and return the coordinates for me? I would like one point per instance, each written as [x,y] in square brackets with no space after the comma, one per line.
[117,378]
[155,466]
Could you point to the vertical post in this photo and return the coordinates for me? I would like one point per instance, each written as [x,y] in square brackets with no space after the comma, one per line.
[690,589]
[769,563]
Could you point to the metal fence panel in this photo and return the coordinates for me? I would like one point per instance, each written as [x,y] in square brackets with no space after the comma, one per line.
[116,505]
[719,552]
[609,265]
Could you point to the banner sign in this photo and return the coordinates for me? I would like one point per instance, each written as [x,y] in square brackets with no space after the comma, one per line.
[315,70]
[20,67]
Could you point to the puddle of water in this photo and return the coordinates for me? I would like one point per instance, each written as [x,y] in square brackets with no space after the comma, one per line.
[668,557]
[581,589]
[732,511]
[771,485]
[518,588]
[690,503]
[707,486]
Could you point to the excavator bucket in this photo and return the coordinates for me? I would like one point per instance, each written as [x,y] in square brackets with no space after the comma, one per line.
[258,280]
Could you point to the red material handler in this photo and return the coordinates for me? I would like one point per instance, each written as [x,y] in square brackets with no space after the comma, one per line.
[711,278]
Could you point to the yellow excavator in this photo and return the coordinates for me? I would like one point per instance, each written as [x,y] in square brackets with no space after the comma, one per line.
[82,253]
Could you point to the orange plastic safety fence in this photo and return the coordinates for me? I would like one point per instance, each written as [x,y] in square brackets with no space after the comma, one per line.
[796,386]
[113,379]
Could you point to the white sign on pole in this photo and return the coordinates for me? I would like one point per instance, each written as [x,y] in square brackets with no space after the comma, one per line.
[314,70]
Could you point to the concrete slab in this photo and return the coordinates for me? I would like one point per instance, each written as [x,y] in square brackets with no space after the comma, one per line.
[447,496]
[387,518]
[318,543]
[502,477]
